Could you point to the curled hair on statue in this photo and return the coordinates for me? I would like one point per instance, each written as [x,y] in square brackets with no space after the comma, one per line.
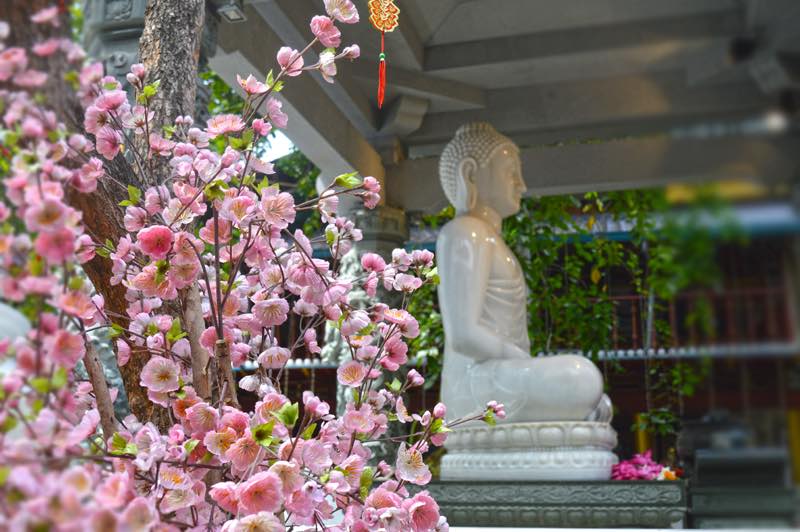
[472,147]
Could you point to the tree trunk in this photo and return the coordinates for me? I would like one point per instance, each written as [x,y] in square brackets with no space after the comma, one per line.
[169,48]
[170,51]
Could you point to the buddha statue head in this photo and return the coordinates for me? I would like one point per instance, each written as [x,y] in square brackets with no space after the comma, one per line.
[481,167]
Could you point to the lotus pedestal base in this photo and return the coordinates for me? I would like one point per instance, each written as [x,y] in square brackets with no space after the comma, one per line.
[543,451]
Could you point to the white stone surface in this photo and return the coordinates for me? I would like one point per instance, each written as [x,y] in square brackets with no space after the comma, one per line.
[12,323]
[531,451]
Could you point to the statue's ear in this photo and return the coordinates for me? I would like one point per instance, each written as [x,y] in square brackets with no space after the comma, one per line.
[467,192]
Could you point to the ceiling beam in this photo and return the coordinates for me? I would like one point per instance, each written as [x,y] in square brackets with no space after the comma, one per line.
[289,20]
[618,165]
[589,104]
[316,126]
[552,43]
[421,85]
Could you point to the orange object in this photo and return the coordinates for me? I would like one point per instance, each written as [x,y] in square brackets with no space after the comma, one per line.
[385,17]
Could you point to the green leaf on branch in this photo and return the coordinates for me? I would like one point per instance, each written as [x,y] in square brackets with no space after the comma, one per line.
[116,330]
[489,418]
[8,424]
[134,196]
[262,434]
[330,237]
[175,332]
[288,414]
[119,445]
[148,92]
[215,190]
[40,384]
[365,482]
[309,432]
[438,427]
[59,379]
[350,180]
[395,386]
[190,445]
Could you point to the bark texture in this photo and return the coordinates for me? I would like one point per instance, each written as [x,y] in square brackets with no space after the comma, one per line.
[104,405]
[170,50]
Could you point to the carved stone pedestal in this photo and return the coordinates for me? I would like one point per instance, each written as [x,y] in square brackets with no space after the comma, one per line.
[611,504]
[578,450]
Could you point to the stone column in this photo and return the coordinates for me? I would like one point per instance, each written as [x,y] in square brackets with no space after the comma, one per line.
[384,229]
[112,29]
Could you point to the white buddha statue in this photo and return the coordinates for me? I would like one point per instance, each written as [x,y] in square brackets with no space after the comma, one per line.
[483,296]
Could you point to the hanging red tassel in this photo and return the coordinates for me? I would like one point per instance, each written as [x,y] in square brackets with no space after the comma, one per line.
[382,74]
[384,15]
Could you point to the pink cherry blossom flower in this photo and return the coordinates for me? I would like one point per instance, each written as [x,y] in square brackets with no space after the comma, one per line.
[342,10]
[423,511]
[138,515]
[224,494]
[274,358]
[251,85]
[48,15]
[414,379]
[12,60]
[262,492]
[174,478]
[202,418]
[277,208]
[324,29]
[65,348]
[410,466]
[406,283]
[395,354]
[372,262]
[243,452]
[224,125]
[310,339]
[275,115]
[47,215]
[360,420]
[316,456]
[289,473]
[351,373]
[270,312]
[238,209]
[160,146]
[261,127]
[220,441]
[155,241]
[111,100]
[115,491]
[160,375]
[291,61]
[85,428]
[497,408]
[407,324]
[354,323]
[109,142]
[260,522]
[315,407]
[327,65]
[84,249]
[351,52]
